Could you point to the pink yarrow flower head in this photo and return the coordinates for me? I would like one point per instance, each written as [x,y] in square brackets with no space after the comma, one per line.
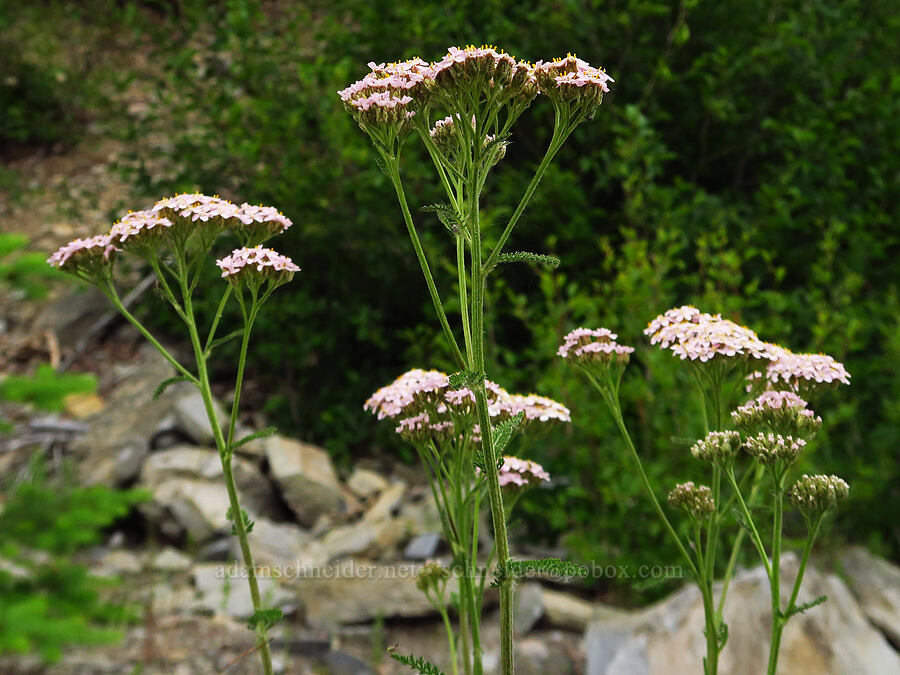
[596,350]
[571,81]
[482,73]
[196,208]
[700,337]
[140,230]
[254,266]
[782,412]
[520,474]
[386,100]
[535,408]
[803,373]
[815,495]
[89,258]
[773,449]
[259,223]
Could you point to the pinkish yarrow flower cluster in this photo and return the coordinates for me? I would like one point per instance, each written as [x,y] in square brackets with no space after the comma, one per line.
[771,448]
[521,473]
[483,70]
[253,265]
[701,337]
[586,346]
[814,495]
[717,447]
[572,80]
[534,407]
[389,94]
[139,228]
[783,412]
[805,372]
[696,500]
[83,255]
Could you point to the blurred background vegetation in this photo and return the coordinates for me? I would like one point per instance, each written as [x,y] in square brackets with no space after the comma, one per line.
[747,161]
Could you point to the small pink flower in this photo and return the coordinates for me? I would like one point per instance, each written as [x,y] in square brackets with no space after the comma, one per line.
[84,255]
[257,263]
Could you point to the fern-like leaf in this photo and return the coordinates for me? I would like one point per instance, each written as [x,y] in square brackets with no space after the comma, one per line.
[165,384]
[262,433]
[465,378]
[546,567]
[805,606]
[504,431]
[549,261]
[446,214]
[417,663]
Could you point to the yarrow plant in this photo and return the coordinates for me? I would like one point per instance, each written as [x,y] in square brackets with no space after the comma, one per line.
[773,429]
[463,108]
[441,423]
[175,237]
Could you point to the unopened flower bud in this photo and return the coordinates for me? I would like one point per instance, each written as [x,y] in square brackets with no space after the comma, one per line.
[771,448]
[814,495]
[717,447]
[696,500]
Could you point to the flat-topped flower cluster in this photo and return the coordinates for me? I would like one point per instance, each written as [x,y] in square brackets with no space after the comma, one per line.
[392,93]
[426,409]
[170,224]
[783,412]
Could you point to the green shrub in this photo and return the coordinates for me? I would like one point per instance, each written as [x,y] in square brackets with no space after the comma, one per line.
[47,601]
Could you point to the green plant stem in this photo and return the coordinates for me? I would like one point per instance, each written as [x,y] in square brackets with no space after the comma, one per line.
[394,172]
[451,639]
[113,296]
[812,533]
[754,533]
[559,136]
[704,582]
[614,407]
[463,296]
[495,495]
[739,538]
[775,577]
[249,318]
[262,639]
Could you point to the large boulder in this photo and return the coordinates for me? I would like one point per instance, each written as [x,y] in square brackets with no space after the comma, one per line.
[285,548]
[224,590]
[832,639]
[306,478]
[876,584]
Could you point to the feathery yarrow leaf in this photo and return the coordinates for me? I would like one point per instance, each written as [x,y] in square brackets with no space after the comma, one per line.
[417,663]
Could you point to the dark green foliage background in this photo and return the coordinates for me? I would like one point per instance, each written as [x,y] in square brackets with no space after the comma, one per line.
[746,162]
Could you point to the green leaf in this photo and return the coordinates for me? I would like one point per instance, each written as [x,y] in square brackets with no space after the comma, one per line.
[446,214]
[265,617]
[465,378]
[165,384]
[248,524]
[262,433]
[504,431]
[805,606]
[550,261]
[417,663]
[547,567]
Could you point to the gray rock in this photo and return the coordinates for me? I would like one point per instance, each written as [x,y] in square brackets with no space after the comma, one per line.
[387,504]
[283,545]
[422,546]
[528,607]
[353,592]
[566,611]
[306,477]
[171,560]
[365,483]
[833,638]
[191,417]
[221,590]
[113,449]
[255,491]
[339,663]
[876,584]
[198,507]
[538,656]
